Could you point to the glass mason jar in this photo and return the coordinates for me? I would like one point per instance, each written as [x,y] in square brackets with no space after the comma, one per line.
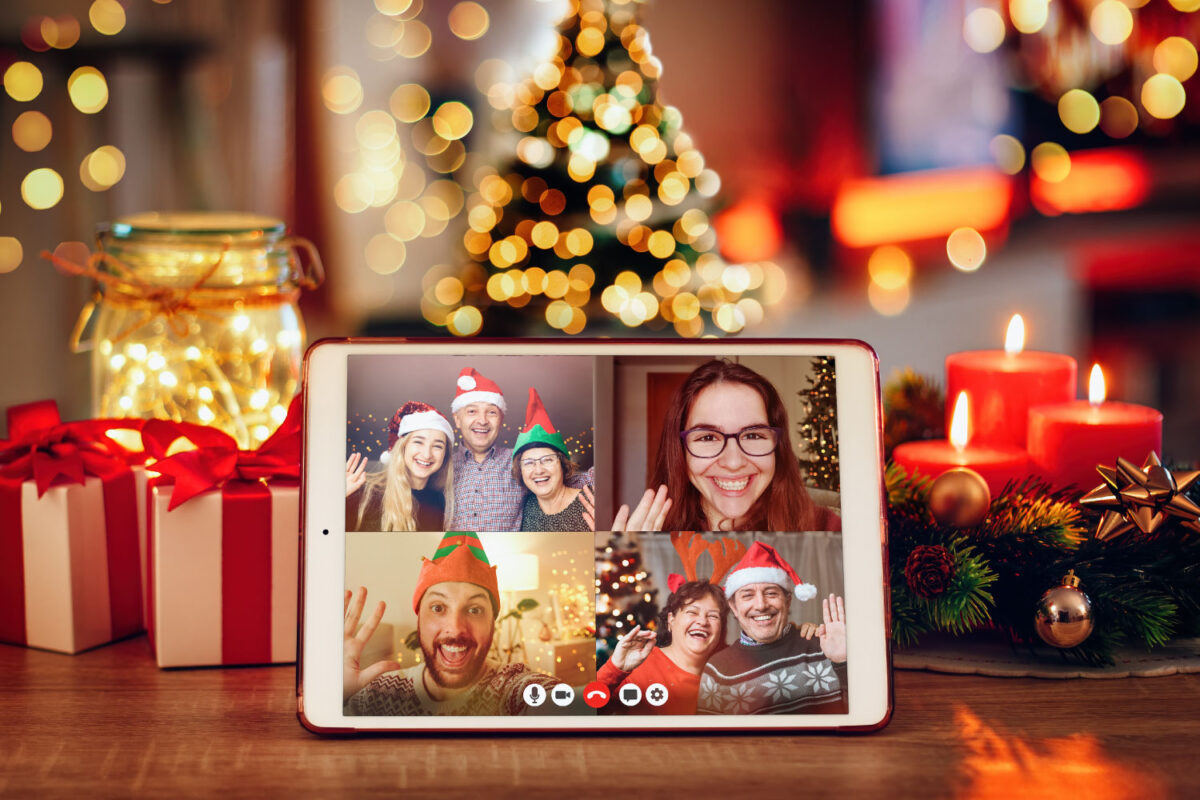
[197,320]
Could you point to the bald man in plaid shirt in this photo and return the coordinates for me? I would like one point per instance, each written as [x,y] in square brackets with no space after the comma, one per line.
[487,496]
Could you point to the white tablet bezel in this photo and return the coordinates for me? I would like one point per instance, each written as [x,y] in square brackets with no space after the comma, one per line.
[864,530]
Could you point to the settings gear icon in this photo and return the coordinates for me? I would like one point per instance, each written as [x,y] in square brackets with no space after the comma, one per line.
[656,694]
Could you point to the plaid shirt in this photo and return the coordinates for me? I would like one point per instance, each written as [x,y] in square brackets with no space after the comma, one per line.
[486,495]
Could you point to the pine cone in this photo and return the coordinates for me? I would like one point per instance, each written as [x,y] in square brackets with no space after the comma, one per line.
[929,570]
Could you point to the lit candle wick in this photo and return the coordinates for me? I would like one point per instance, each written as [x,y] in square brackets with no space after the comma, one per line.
[1014,337]
[1096,388]
[960,424]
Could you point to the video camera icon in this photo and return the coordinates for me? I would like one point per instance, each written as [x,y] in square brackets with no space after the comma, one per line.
[562,695]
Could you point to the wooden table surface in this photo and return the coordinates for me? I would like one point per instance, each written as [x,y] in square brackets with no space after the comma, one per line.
[110,723]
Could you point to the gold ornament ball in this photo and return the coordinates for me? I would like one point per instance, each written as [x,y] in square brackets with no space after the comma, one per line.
[959,498]
[1063,617]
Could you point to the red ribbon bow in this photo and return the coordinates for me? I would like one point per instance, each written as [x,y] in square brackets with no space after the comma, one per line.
[217,459]
[43,447]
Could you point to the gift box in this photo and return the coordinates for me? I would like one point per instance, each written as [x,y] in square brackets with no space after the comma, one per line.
[72,531]
[223,545]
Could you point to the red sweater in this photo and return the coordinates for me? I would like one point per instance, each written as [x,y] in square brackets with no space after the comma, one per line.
[683,688]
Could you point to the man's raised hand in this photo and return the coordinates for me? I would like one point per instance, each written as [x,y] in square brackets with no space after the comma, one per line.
[832,632]
[355,639]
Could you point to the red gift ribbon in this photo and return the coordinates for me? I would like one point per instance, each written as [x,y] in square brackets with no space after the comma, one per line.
[242,476]
[44,449]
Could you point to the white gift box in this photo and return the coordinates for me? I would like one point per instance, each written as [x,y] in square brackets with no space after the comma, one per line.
[71,577]
[198,620]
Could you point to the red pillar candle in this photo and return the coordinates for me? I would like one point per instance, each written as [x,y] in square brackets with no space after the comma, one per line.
[1003,384]
[997,464]
[1068,440]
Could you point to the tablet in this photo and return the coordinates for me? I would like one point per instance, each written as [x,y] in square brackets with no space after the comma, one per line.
[593,535]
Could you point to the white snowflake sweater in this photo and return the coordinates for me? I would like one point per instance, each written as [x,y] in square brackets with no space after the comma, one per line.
[787,676]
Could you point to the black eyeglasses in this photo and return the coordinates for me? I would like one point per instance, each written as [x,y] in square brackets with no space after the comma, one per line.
[756,440]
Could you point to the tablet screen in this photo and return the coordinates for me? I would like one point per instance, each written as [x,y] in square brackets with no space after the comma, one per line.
[476,584]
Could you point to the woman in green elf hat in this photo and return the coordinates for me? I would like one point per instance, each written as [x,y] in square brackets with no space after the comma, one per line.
[542,463]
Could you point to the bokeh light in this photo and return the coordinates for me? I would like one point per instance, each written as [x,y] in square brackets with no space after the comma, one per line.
[88,90]
[888,302]
[384,254]
[409,102]
[1051,162]
[1187,6]
[453,120]
[22,81]
[1118,117]
[1078,110]
[1111,21]
[341,90]
[983,29]
[1175,56]
[1008,153]
[465,321]
[1028,16]
[1163,96]
[890,267]
[102,168]
[416,40]
[42,188]
[468,20]
[392,7]
[107,17]
[32,131]
[966,249]
[11,254]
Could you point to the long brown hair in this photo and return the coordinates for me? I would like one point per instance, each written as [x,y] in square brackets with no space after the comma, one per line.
[783,506]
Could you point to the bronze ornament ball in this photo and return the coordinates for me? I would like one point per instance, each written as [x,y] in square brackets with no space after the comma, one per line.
[1063,617]
[959,498]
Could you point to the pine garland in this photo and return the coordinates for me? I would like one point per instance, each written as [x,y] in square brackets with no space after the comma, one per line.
[1145,590]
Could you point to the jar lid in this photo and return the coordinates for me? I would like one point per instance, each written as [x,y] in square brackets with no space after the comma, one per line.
[204,223]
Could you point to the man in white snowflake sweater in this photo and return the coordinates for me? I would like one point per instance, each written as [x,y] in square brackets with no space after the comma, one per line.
[775,667]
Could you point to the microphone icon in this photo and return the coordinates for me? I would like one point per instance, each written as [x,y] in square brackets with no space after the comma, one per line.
[534,695]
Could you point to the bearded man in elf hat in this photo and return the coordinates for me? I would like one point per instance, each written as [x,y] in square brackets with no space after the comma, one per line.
[775,667]
[456,602]
[487,496]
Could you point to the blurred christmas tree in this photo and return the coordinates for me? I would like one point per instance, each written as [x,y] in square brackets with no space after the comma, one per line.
[624,596]
[601,214]
[818,431]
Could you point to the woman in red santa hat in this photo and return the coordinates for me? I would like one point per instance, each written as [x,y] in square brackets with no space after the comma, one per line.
[415,489]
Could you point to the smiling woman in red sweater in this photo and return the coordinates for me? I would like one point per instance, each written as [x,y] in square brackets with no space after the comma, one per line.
[691,627]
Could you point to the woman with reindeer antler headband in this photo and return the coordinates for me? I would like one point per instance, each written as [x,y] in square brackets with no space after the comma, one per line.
[690,629]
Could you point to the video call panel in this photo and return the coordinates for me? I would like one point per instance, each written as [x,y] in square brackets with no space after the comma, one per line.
[593,535]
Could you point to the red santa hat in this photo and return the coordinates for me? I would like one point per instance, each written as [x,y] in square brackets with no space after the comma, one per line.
[762,564]
[415,416]
[471,387]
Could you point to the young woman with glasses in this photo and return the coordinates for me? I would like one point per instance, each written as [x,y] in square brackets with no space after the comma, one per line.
[724,462]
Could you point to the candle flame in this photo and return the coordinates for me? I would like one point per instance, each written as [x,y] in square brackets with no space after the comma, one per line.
[1014,338]
[960,424]
[1096,393]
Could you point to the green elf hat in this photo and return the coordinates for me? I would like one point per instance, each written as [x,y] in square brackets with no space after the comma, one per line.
[459,558]
[538,430]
